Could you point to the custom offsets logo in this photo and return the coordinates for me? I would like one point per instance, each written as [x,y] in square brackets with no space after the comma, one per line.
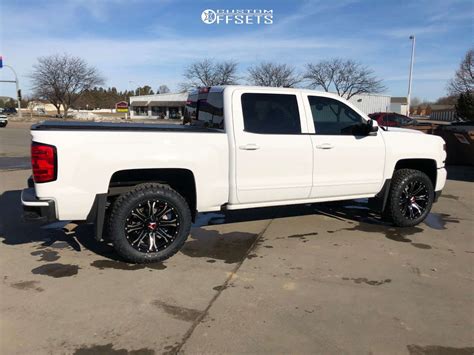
[237,17]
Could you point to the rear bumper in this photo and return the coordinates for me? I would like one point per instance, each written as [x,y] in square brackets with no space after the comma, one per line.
[35,210]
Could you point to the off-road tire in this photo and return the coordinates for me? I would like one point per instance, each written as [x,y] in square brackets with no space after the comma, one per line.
[401,179]
[126,202]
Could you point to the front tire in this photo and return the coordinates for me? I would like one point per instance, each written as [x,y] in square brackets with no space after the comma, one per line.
[149,223]
[410,198]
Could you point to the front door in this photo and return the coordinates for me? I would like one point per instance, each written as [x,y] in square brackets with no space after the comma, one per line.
[347,161]
[274,160]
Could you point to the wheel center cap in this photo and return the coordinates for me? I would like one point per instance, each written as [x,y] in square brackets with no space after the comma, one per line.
[152,225]
[412,199]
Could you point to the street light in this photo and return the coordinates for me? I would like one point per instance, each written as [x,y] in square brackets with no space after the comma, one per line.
[18,92]
[412,37]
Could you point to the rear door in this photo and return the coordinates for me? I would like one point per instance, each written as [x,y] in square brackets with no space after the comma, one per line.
[274,157]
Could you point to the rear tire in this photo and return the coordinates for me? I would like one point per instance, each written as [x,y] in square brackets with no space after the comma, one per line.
[410,198]
[149,223]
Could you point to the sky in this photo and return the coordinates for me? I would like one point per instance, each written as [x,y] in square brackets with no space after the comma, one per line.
[150,42]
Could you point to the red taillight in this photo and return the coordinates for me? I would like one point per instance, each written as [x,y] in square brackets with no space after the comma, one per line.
[43,162]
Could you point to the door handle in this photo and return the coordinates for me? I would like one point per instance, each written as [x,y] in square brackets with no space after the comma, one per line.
[325,146]
[249,147]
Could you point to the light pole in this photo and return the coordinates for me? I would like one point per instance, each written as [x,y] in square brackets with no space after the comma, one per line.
[18,96]
[412,37]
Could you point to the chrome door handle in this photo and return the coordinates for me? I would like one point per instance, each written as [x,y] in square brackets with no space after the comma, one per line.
[325,146]
[249,147]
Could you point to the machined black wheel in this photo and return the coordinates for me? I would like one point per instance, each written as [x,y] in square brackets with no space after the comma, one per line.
[152,226]
[149,223]
[414,199]
[410,199]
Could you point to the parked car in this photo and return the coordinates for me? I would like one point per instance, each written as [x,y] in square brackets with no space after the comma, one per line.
[9,111]
[245,147]
[3,120]
[392,119]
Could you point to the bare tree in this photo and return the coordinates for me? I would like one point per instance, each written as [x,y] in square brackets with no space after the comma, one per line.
[273,74]
[163,89]
[62,79]
[346,77]
[463,80]
[210,73]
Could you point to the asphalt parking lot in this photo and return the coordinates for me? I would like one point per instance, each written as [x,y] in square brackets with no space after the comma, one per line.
[328,279]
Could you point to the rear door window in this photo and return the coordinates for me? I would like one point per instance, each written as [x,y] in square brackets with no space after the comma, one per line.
[271,113]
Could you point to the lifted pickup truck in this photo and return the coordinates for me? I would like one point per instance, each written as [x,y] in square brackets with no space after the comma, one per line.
[241,147]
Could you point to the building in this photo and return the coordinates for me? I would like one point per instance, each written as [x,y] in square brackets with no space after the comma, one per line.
[371,103]
[172,105]
[399,105]
[443,113]
[421,110]
[43,107]
[158,106]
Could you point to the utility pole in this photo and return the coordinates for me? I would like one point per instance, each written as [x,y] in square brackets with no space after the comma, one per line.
[18,92]
[412,37]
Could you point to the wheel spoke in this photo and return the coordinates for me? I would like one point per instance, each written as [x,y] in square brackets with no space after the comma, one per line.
[138,214]
[152,242]
[163,235]
[164,211]
[134,228]
[139,238]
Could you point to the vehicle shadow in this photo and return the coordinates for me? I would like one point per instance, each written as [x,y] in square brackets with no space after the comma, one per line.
[14,230]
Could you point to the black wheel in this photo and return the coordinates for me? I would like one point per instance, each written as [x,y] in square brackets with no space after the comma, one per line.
[3,124]
[410,199]
[149,223]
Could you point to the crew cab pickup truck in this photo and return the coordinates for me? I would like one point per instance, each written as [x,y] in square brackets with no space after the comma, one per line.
[240,147]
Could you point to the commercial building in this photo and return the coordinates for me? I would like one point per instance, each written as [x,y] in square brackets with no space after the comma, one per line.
[158,106]
[443,113]
[399,105]
[370,103]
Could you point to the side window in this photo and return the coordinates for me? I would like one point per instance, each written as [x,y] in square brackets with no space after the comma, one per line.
[332,117]
[205,110]
[271,113]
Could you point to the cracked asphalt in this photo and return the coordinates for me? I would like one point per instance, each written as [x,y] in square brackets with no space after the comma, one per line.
[327,278]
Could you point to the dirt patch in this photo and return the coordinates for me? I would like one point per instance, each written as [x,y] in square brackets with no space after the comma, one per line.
[360,280]
[27,285]
[438,350]
[118,265]
[210,244]
[56,270]
[421,245]
[46,255]
[182,313]
[109,350]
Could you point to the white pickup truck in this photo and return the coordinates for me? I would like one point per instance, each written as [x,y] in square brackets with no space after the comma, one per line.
[241,147]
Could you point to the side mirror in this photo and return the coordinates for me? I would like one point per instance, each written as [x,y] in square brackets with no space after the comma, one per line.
[372,127]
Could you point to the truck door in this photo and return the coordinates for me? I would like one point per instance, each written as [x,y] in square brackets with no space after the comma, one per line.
[347,161]
[274,160]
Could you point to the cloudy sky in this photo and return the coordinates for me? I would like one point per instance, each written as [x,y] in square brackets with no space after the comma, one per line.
[151,41]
